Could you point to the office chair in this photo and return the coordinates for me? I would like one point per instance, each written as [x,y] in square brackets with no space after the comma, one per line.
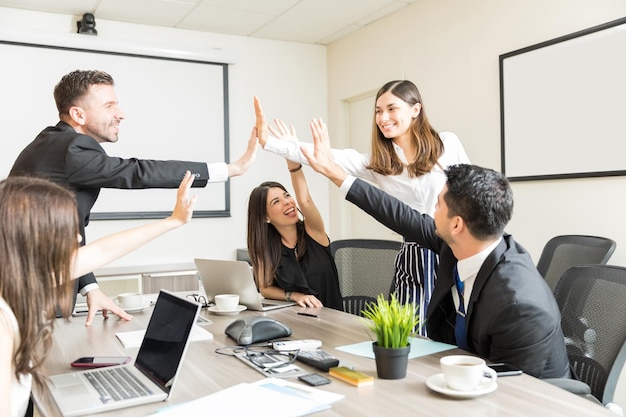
[593,317]
[366,268]
[562,252]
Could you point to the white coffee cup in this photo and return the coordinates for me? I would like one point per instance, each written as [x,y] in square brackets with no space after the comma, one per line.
[129,300]
[227,302]
[466,373]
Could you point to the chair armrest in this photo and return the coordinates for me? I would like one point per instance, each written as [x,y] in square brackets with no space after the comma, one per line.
[574,386]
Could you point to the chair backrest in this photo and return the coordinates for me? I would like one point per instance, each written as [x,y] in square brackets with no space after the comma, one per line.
[563,252]
[366,268]
[593,315]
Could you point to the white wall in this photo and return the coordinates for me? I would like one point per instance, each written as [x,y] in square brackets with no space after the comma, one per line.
[450,49]
[289,78]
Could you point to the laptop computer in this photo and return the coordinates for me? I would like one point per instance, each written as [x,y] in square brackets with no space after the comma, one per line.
[234,277]
[150,378]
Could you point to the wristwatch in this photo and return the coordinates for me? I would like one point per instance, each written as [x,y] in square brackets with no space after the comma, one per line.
[287,295]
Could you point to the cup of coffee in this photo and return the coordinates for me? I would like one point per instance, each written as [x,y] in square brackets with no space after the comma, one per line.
[466,373]
[129,300]
[227,302]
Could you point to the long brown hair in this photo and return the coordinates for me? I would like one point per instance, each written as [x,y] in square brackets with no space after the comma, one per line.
[425,138]
[264,243]
[38,240]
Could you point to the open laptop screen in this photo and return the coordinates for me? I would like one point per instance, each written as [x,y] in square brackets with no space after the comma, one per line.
[165,339]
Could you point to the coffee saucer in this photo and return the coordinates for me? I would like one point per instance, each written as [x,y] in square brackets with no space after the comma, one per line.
[215,310]
[438,384]
[136,309]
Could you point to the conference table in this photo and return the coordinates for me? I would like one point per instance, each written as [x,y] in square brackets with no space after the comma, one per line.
[204,371]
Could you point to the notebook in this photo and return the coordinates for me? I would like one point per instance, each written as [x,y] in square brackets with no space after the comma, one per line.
[149,379]
[234,277]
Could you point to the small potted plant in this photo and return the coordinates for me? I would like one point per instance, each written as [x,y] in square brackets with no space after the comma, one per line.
[393,324]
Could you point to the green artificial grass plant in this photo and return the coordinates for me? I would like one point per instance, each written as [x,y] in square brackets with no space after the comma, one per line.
[391,322]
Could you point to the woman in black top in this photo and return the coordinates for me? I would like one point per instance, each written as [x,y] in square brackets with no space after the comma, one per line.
[291,255]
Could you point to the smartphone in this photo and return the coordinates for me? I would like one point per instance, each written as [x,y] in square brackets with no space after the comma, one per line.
[100,361]
[504,369]
[314,379]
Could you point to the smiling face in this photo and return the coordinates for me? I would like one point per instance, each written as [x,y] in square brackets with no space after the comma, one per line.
[281,207]
[99,113]
[394,116]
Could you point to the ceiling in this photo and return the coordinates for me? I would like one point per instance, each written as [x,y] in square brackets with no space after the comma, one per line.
[307,21]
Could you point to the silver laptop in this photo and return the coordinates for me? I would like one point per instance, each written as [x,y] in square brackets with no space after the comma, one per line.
[234,277]
[152,376]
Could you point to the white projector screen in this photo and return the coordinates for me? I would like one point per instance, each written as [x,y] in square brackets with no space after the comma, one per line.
[562,106]
[175,109]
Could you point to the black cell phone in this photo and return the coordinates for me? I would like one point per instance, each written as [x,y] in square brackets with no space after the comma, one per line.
[504,369]
[100,361]
[314,379]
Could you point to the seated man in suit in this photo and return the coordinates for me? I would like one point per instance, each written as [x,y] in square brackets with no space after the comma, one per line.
[489,298]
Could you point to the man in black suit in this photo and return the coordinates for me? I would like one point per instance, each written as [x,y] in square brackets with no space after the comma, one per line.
[508,310]
[70,154]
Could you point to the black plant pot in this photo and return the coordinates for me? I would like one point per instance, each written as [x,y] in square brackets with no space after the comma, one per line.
[391,363]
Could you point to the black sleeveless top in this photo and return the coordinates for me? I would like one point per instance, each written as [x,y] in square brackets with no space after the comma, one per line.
[315,274]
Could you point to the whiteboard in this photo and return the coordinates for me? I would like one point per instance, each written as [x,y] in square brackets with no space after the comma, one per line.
[562,106]
[175,109]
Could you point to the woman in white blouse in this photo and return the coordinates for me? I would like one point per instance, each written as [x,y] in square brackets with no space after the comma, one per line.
[407,160]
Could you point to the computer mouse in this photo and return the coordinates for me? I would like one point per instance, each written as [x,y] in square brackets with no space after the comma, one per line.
[256,329]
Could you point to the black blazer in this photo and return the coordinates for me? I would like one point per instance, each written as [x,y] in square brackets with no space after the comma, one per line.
[512,315]
[77,162]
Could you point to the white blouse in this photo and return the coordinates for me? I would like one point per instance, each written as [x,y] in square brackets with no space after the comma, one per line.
[20,388]
[418,192]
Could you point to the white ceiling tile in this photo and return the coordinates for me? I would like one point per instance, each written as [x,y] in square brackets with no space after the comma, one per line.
[149,12]
[297,30]
[73,7]
[275,7]
[219,20]
[345,11]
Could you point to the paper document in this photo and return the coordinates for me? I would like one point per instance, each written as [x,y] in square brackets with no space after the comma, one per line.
[419,347]
[267,398]
[133,339]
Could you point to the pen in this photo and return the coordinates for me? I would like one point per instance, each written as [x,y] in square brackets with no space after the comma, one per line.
[307,314]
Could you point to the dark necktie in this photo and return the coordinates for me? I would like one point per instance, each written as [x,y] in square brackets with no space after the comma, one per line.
[459,327]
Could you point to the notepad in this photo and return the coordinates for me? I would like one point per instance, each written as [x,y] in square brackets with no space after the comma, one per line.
[133,339]
[351,376]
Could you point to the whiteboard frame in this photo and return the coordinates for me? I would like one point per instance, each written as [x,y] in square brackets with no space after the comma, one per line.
[223,211]
[571,40]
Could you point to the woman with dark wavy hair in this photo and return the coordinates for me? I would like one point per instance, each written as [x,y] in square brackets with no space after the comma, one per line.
[407,159]
[39,258]
[290,254]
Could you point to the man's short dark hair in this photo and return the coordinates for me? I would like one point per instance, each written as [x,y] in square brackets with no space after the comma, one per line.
[75,85]
[481,196]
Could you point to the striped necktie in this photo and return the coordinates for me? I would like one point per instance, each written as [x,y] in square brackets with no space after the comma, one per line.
[459,327]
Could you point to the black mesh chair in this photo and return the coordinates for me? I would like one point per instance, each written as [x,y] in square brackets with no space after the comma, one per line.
[592,300]
[562,252]
[366,268]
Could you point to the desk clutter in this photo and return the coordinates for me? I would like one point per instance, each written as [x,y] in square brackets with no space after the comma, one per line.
[286,364]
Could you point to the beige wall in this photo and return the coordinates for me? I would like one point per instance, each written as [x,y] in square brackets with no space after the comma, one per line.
[450,49]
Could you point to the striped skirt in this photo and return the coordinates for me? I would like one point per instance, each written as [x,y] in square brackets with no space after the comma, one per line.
[414,278]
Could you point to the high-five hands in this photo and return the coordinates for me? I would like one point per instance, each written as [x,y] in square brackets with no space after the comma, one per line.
[321,159]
